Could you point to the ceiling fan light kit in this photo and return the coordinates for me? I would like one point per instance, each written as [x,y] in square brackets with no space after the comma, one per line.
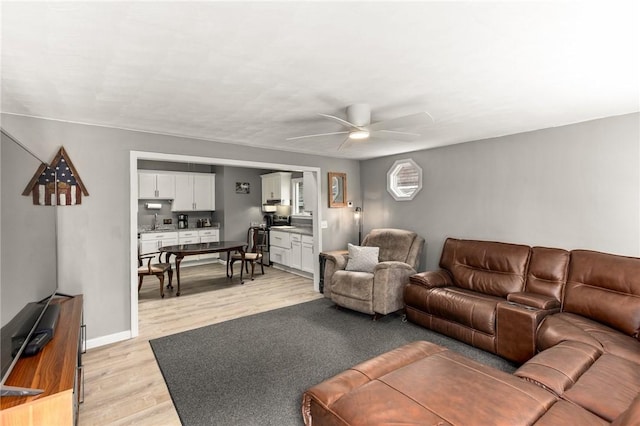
[358,134]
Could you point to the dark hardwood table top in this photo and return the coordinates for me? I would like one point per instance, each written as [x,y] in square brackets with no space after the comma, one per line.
[203,248]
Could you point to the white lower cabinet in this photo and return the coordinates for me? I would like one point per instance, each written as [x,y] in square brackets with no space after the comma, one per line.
[189,237]
[295,259]
[209,236]
[307,260]
[292,249]
[280,246]
[152,241]
[279,255]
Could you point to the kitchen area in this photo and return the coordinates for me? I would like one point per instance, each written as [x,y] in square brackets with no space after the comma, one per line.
[181,203]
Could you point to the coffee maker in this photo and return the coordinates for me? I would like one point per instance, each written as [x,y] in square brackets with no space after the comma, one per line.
[183,221]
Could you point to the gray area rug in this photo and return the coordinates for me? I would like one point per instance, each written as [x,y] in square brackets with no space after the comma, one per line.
[253,370]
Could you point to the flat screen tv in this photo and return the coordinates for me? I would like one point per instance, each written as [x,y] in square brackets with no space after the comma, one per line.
[28,253]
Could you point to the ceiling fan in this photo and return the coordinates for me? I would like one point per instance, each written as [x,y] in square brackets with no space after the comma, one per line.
[359,127]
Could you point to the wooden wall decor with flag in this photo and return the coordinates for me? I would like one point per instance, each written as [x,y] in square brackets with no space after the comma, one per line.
[58,184]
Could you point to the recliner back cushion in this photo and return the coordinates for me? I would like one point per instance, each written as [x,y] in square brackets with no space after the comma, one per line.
[395,245]
[486,267]
[605,288]
[547,273]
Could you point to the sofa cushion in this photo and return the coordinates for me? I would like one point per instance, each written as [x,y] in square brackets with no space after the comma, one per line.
[605,288]
[395,244]
[547,272]
[356,285]
[565,326]
[486,267]
[566,413]
[468,308]
[607,388]
[362,259]
[630,416]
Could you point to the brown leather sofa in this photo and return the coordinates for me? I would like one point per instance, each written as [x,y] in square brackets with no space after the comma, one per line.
[572,318]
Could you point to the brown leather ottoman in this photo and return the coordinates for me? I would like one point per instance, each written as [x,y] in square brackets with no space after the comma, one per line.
[422,383]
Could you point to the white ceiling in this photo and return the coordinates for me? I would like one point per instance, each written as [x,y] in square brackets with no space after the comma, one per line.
[257,73]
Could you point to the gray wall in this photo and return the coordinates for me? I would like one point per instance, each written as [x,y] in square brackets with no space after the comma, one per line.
[575,186]
[240,209]
[95,255]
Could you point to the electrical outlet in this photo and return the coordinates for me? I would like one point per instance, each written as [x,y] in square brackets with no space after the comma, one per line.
[324,224]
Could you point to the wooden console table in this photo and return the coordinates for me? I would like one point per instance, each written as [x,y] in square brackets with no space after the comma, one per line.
[57,369]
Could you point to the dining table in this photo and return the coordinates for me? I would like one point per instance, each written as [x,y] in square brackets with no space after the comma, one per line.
[182,250]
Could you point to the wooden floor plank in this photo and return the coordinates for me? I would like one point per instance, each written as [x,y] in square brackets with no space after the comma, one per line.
[123,383]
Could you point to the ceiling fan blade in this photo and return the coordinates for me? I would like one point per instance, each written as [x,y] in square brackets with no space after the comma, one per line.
[419,119]
[341,121]
[316,135]
[344,143]
[395,135]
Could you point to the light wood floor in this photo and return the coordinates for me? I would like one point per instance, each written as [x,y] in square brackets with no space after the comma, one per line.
[123,384]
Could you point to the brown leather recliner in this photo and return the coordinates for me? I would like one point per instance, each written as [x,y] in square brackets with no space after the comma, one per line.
[380,291]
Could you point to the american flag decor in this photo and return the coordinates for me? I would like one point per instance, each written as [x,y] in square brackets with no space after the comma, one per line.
[56,184]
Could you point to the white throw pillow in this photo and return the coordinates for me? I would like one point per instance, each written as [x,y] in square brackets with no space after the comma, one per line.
[362,259]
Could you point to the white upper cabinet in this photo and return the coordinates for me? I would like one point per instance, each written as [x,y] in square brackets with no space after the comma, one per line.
[156,185]
[276,186]
[194,192]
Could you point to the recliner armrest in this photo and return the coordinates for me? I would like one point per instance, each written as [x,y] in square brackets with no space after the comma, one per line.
[432,279]
[333,263]
[340,260]
[534,300]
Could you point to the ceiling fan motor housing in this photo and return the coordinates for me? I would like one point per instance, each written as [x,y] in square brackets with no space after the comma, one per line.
[359,114]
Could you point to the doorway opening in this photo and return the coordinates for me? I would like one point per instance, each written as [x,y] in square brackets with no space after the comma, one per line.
[135,156]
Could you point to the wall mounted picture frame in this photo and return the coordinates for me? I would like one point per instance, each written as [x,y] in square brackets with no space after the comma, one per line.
[337,189]
[243,187]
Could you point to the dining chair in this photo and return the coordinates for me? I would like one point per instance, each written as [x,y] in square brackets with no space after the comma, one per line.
[157,269]
[256,242]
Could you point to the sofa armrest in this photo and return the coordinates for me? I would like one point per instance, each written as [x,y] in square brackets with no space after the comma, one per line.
[517,328]
[389,280]
[333,262]
[432,279]
[534,300]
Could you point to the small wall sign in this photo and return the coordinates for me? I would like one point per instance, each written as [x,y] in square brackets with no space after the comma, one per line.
[57,184]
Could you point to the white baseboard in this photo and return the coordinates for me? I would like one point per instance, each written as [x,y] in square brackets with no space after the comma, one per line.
[107,340]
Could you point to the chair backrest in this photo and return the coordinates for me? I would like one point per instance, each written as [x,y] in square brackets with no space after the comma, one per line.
[396,245]
[256,239]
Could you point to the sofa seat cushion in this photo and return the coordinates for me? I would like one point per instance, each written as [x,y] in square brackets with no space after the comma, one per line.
[603,384]
[356,285]
[566,413]
[608,388]
[438,387]
[465,307]
[566,326]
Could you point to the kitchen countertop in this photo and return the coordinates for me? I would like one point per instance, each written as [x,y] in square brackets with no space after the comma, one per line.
[303,230]
[174,229]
